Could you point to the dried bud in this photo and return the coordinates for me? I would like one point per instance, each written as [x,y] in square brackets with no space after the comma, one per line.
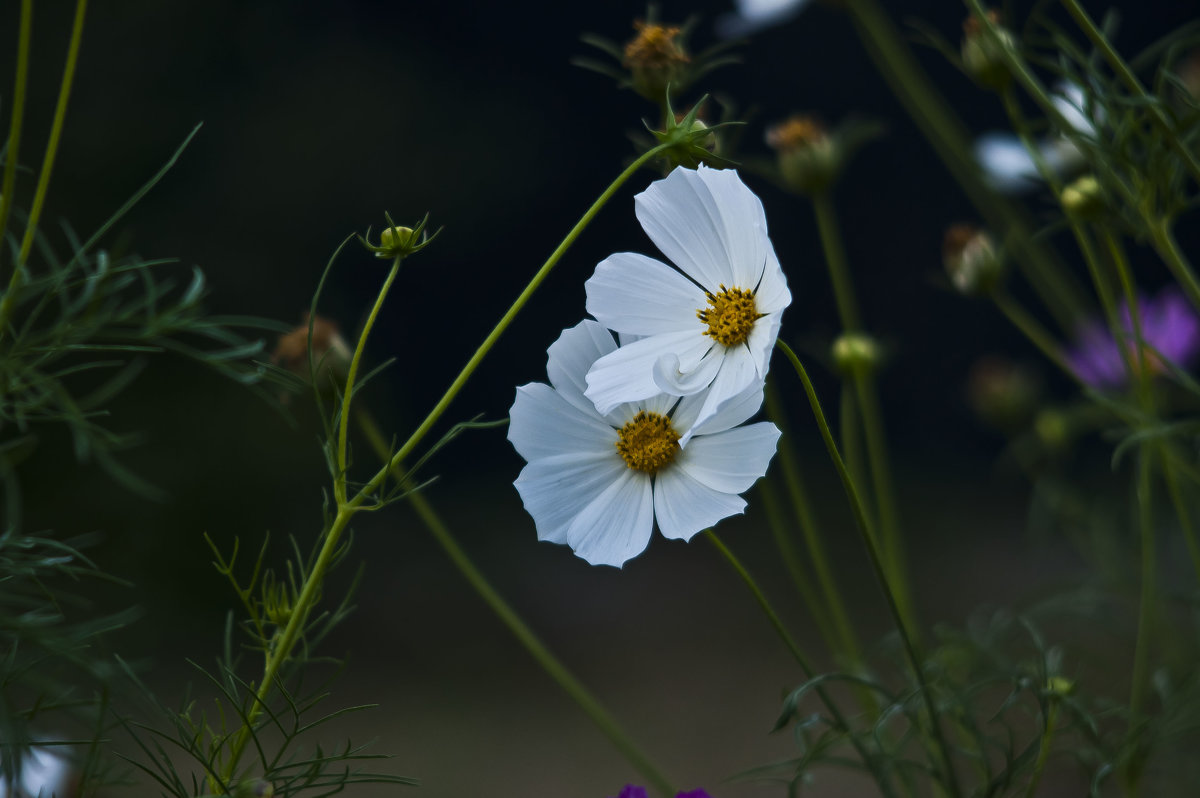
[331,354]
[855,353]
[1083,198]
[982,54]
[971,260]
[656,58]
[808,157]
[1003,394]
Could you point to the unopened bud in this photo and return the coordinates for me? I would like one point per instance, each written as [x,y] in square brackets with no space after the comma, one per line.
[1084,198]
[855,353]
[1003,394]
[982,54]
[971,260]
[1059,686]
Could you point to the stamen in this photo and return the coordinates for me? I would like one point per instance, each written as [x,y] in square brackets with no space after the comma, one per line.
[730,315]
[648,442]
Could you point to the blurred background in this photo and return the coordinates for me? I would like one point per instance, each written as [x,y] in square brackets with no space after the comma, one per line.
[318,117]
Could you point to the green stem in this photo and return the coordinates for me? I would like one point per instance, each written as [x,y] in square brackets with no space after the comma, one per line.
[39,197]
[1032,330]
[1039,766]
[849,437]
[510,618]
[951,142]
[434,415]
[24,34]
[1181,509]
[802,660]
[1101,43]
[877,565]
[835,259]
[339,481]
[1167,248]
[1141,653]
[847,641]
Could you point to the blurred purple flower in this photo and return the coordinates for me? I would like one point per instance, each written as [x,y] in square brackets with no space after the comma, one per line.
[1170,330]
[633,791]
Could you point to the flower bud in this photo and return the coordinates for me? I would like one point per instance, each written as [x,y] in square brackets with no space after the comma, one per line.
[1084,198]
[397,241]
[808,157]
[254,788]
[971,260]
[656,59]
[855,353]
[1052,429]
[982,54]
[1059,686]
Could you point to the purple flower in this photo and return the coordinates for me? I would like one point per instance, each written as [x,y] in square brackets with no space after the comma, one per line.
[633,791]
[1170,332]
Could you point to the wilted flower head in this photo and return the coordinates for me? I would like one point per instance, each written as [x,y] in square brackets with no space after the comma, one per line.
[330,353]
[971,260]
[807,155]
[981,53]
[1170,334]
[598,482]
[656,58]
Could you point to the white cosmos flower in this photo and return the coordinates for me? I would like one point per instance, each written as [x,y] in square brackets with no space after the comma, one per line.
[1009,168]
[710,324]
[597,482]
[753,15]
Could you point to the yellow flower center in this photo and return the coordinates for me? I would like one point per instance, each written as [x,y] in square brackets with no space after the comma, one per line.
[730,315]
[648,442]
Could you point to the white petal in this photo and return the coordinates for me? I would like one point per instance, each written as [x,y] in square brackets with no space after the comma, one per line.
[692,370]
[731,413]
[772,294]
[543,424]
[1071,104]
[627,375]
[736,375]
[753,15]
[732,460]
[761,342]
[572,355]
[555,490]
[709,224]
[616,525]
[634,294]
[1007,165]
[683,506]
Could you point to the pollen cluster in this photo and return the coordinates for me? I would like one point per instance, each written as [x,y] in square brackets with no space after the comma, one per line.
[648,442]
[730,315]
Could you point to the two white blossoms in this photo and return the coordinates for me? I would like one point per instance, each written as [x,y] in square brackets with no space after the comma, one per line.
[655,428]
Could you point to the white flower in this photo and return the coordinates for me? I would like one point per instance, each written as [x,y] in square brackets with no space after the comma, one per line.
[715,323]
[597,482]
[45,772]
[753,15]
[1009,168]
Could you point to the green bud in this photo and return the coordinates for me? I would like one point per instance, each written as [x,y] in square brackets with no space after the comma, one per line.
[397,241]
[1059,686]
[1052,429]
[855,353]
[1084,198]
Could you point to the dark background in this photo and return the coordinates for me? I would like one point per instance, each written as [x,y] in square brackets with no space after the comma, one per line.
[317,118]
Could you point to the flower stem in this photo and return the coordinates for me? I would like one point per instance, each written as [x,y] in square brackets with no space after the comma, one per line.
[846,640]
[1032,330]
[1168,249]
[877,565]
[339,481]
[1100,41]
[950,142]
[436,413]
[1141,654]
[12,154]
[510,618]
[871,762]
[8,304]
[868,399]
[1039,766]
[1181,510]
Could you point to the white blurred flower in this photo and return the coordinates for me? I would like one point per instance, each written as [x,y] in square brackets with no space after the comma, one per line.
[45,773]
[597,482]
[1008,166]
[710,324]
[754,15]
